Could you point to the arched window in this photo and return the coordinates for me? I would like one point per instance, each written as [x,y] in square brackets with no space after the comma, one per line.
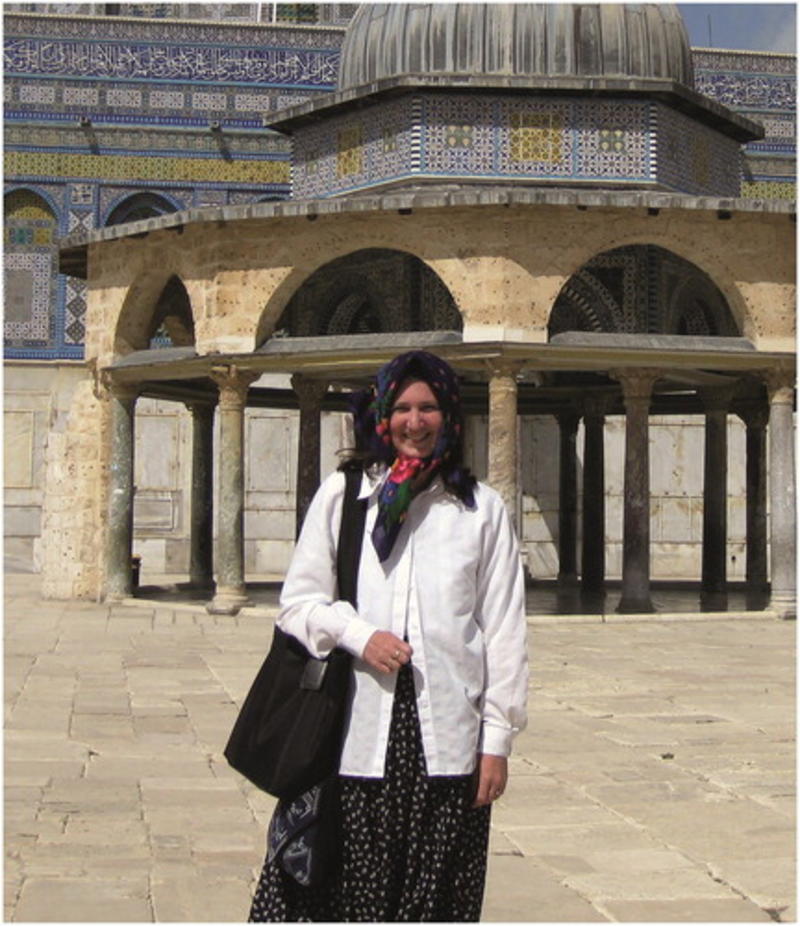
[172,324]
[30,270]
[140,206]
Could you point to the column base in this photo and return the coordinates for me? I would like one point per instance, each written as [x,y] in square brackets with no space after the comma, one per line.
[568,579]
[713,601]
[635,605]
[201,581]
[784,606]
[593,600]
[227,601]
[119,592]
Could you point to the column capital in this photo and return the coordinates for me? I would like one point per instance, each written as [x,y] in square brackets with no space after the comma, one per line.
[499,368]
[717,398]
[233,384]
[753,412]
[568,418]
[201,407]
[637,382]
[309,391]
[780,384]
[106,386]
[594,406]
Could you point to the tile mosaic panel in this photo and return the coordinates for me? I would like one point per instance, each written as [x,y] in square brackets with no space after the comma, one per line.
[108,29]
[386,150]
[75,311]
[166,99]
[458,134]
[28,284]
[165,105]
[124,97]
[768,189]
[612,140]
[72,139]
[156,170]
[186,61]
[694,159]
[512,137]
[349,153]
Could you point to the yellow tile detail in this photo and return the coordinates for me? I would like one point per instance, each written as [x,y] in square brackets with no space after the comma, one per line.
[536,137]
[349,154]
[768,189]
[22,204]
[132,167]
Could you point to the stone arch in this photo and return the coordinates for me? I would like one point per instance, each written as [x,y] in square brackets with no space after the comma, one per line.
[682,242]
[641,289]
[370,290]
[157,312]
[146,205]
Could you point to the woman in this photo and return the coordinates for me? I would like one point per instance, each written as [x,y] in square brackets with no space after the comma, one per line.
[440,669]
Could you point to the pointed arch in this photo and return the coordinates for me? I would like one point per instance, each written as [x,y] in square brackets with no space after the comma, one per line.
[157,312]
[30,229]
[147,205]
[371,290]
[641,289]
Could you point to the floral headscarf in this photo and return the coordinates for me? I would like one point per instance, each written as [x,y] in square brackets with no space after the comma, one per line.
[409,475]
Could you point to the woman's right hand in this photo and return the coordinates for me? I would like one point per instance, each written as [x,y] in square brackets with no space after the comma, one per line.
[386,652]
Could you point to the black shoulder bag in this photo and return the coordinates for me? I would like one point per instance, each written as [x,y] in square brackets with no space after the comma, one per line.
[288,735]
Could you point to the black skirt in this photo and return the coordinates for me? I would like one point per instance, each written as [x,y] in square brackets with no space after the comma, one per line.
[413,847]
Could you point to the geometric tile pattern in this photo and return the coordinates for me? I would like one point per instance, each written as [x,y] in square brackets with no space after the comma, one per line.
[153,169]
[507,137]
[142,85]
[769,189]
[695,159]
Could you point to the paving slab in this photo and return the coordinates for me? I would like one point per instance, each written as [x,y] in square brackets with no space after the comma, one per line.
[655,781]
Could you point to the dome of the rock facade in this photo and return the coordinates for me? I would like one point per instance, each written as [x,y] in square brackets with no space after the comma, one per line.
[494,40]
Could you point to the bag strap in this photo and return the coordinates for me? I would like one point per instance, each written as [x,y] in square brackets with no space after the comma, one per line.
[351,533]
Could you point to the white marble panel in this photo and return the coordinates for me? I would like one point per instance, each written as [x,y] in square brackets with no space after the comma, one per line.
[156,456]
[18,431]
[270,442]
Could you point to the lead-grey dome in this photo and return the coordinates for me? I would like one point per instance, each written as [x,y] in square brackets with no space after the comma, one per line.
[575,40]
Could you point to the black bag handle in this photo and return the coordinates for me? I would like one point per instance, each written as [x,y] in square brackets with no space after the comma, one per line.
[351,534]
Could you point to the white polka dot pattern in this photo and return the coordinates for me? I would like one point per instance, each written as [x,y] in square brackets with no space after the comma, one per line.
[413,847]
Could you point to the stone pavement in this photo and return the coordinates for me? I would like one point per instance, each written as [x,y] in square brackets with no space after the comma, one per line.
[655,781]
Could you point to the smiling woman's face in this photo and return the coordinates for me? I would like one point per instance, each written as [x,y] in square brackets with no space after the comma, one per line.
[415,420]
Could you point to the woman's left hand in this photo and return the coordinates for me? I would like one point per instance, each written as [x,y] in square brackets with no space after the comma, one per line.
[492,778]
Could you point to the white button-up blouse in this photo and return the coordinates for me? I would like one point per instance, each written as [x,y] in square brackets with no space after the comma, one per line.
[453,587]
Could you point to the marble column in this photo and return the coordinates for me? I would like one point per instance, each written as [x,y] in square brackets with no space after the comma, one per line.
[637,387]
[755,415]
[504,437]
[783,515]
[201,535]
[593,549]
[567,498]
[119,539]
[229,552]
[714,583]
[310,393]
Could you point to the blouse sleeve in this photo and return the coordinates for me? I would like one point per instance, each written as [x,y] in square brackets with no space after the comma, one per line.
[500,613]
[310,608]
